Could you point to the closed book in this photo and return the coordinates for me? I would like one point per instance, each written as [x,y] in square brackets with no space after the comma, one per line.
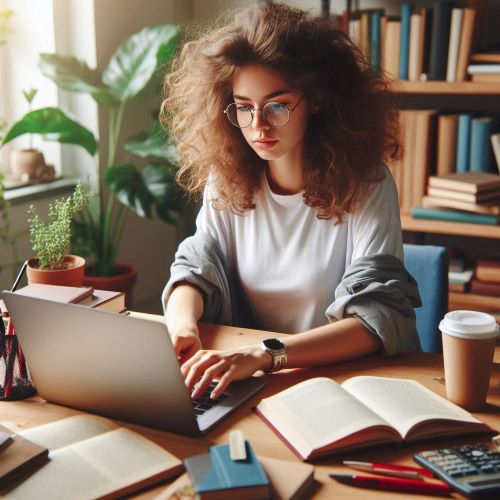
[364,34]
[404,50]
[440,38]
[390,49]
[215,475]
[375,39]
[92,457]
[463,142]
[362,412]
[453,216]
[453,46]
[485,57]
[414,56]
[483,68]
[355,31]
[105,300]
[486,78]
[481,154]
[69,294]
[485,197]
[495,144]
[467,182]
[488,269]
[425,42]
[491,288]
[447,127]
[435,202]
[465,46]
[19,457]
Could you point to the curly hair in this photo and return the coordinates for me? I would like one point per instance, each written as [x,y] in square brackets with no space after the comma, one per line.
[346,142]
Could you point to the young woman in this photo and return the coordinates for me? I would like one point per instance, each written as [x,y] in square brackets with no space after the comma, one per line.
[285,128]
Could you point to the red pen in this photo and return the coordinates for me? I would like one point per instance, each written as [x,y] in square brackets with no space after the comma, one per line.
[393,484]
[389,469]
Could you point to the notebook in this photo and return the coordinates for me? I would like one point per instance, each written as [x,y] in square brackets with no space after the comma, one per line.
[113,365]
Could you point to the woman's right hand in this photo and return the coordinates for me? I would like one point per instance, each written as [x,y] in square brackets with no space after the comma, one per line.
[186,343]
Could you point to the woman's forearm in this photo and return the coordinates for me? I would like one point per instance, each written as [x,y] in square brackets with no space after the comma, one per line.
[184,308]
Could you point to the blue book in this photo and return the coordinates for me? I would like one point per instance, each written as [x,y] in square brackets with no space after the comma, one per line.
[404,49]
[463,142]
[481,154]
[375,40]
[215,475]
[453,216]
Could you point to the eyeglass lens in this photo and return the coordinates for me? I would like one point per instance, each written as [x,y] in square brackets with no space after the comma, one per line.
[276,114]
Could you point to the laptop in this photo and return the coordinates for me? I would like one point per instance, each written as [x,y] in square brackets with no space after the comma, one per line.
[114,365]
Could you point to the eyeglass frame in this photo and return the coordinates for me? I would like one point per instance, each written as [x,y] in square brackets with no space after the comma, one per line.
[262,109]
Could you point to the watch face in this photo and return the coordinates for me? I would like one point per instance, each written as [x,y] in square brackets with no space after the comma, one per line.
[274,344]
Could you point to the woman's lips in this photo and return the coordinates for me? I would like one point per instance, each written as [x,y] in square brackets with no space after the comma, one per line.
[265,143]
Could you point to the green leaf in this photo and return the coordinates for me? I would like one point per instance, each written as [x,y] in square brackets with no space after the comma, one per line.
[53,125]
[155,144]
[127,184]
[154,187]
[29,95]
[137,59]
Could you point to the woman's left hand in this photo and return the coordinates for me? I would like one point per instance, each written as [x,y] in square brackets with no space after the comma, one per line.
[226,366]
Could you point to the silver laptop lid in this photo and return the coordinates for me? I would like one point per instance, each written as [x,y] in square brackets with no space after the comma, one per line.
[102,362]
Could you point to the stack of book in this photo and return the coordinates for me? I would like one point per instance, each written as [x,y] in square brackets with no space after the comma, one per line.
[486,280]
[485,67]
[472,197]
[459,275]
[419,44]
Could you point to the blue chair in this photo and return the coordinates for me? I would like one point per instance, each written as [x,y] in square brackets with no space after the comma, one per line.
[429,266]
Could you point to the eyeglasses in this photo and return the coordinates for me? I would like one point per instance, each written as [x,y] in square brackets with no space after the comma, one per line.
[275,113]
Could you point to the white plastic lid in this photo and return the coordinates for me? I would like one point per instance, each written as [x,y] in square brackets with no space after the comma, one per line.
[469,325]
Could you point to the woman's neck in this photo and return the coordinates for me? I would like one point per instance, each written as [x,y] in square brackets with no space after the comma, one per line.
[284,177]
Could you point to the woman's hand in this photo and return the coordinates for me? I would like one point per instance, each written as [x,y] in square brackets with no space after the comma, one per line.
[226,366]
[186,343]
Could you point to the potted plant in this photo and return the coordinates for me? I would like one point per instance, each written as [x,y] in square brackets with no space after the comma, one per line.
[53,263]
[147,190]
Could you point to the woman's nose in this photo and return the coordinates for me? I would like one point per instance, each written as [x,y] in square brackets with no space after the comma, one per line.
[259,120]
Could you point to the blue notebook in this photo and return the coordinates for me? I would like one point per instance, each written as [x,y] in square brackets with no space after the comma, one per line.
[215,475]
[454,216]
[463,142]
[481,154]
[404,50]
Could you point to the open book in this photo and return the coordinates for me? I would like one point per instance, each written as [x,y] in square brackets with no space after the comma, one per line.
[319,417]
[91,457]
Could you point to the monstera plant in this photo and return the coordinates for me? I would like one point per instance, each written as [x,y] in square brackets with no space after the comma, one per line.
[146,190]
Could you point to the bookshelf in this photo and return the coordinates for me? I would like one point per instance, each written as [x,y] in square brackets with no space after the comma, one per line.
[446,88]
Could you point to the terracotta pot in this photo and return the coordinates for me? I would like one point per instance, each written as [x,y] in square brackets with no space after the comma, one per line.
[24,163]
[70,275]
[122,280]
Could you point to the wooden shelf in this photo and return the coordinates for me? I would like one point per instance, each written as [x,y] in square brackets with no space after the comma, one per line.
[445,227]
[446,88]
[472,301]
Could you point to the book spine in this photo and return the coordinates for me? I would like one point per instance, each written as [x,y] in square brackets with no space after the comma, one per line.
[390,51]
[455,29]
[446,144]
[404,51]
[375,40]
[495,144]
[440,40]
[466,35]
[463,142]
[453,216]
[480,145]
[474,69]
[485,287]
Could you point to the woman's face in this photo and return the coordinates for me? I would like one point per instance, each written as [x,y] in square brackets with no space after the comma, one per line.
[256,86]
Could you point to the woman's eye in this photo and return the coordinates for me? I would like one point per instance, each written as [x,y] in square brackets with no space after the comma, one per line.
[241,108]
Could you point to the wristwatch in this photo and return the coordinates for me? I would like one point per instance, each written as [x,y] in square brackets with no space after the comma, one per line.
[277,350]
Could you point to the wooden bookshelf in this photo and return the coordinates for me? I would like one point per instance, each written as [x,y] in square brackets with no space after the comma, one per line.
[445,227]
[476,302]
[446,88]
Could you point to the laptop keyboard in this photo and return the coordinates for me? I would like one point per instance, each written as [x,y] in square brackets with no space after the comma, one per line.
[204,403]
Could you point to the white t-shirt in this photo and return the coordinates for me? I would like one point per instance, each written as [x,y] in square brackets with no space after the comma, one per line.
[288,261]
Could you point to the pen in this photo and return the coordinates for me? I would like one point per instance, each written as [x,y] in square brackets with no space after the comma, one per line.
[392,483]
[389,469]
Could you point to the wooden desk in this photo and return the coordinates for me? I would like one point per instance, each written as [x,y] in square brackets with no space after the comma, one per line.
[426,368]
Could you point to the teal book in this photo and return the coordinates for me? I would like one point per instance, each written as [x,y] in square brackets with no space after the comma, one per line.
[463,142]
[375,40]
[481,153]
[453,216]
[440,38]
[215,475]
[404,49]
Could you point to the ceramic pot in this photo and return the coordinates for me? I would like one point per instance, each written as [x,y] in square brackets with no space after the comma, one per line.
[70,275]
[122,280]
[24,163]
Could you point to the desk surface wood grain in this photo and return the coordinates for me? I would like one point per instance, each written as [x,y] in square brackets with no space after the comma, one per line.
[425,368]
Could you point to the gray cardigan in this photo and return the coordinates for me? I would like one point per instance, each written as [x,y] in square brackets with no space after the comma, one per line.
[376,289]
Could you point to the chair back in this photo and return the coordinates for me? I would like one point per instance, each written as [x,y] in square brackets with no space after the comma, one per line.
[429,266]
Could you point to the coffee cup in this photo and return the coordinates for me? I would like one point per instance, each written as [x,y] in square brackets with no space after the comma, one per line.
[468,348]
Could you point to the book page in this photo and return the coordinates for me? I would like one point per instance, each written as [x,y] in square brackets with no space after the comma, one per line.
[317,412]
[120,460]
[404,403]
[67,431]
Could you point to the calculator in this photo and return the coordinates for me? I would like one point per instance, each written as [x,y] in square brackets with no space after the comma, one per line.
[473,470]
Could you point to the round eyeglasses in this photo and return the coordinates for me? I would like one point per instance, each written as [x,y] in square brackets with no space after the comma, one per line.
[275,113]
